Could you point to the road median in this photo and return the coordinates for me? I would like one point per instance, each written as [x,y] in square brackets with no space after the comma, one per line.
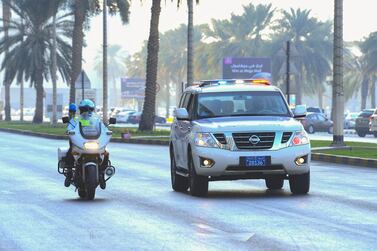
[357,154]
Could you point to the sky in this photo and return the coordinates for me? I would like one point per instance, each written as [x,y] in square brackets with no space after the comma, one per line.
[358,21]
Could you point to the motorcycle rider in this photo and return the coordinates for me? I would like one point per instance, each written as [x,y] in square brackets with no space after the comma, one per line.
[87,116]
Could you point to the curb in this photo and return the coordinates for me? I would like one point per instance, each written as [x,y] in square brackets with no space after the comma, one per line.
[314,156]
[64,137]
[355,161]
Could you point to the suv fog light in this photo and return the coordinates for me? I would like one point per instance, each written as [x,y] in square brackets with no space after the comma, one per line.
[205,162]
[301,160]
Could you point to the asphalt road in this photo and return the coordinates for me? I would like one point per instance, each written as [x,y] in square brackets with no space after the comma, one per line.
[139,211]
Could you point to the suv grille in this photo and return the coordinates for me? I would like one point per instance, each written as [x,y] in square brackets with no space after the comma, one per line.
[286,137]
[242,140]
[220,137]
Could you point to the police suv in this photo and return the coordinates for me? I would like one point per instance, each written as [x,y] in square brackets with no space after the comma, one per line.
[238,129]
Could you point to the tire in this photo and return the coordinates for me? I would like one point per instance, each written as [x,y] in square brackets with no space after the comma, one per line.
[311,129]
[82,193]
[178,182]
[330,130]
[274,183]
[300,184]
[198,183]
[361,133]
[91,182]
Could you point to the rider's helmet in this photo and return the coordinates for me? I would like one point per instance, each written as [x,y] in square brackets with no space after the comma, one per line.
[86,105]
[72,107]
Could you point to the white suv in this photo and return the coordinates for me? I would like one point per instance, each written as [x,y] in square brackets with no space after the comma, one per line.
[229,130]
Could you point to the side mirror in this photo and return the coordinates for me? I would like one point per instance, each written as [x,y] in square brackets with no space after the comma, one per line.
[65,120]
[181,114]
[112,121]
[299,111]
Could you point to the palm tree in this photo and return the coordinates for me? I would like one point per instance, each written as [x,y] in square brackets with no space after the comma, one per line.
[83,9]
[6,20]
[147,117]
[368,47]
[338,92]
[30,46]
[311,39]
[116,65]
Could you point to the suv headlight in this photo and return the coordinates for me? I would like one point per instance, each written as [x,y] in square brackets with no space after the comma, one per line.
[299,138]
[205,140]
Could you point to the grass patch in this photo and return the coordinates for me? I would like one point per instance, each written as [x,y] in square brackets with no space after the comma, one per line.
[326,143]
[60,129]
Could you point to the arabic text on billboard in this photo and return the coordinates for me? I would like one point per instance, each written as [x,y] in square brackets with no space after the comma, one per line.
[244,68]
[133,88]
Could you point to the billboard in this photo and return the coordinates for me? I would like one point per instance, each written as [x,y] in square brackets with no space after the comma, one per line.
[133,88]
[244,68]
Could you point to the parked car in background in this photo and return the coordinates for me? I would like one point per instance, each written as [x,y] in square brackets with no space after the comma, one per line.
[136,117]
[350,120]
[315,109]
[362,122]
[373,123]
[116,110]
[123,117]
[317,122]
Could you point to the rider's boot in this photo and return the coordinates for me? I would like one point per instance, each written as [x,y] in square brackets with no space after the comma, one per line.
[102,182]
[68,178]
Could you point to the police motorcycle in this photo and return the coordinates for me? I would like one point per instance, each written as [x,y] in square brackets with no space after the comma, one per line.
[86,163]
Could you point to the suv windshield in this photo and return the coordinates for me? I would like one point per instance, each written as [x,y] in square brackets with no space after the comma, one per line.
[257,103]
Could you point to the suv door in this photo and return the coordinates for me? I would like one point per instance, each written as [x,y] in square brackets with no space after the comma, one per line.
[178,135]
[185,129]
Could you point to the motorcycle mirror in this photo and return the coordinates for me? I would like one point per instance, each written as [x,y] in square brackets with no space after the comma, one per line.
[112,121]
[65,120]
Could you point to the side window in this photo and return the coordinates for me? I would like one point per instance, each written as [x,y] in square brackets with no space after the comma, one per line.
[182,100]
[321,118]
[190,105]
[186,101]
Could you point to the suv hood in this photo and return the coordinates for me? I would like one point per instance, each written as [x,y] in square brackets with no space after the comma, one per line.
[248,123]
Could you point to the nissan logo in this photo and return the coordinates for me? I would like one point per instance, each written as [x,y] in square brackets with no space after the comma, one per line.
[254,139]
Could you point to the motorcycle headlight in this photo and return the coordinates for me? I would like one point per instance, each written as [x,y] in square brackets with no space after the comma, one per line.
[205,140]
[91,145]
[299,138]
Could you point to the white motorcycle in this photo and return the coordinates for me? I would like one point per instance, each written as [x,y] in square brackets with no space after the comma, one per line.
[91,165]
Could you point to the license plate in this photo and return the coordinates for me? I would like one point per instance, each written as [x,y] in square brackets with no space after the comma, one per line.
[255,161]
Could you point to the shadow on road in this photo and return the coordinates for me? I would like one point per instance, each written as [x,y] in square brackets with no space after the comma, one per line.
[79,200]
[256,194]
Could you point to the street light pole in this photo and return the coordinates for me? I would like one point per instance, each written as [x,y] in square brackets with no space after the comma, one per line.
[288,71]
[105,94]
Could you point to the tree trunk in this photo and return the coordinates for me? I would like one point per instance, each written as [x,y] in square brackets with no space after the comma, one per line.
[147,117]
[364,92]
[53,74]
[373,93]
[105,87]
[299,82]
[22,101]
[38,115]
[190,50]
[77,44]
[338,92]
[6,19]
[167,99]
[320,97]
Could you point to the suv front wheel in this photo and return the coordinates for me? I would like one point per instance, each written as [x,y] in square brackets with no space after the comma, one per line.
[300,184]
[178,182]
[198,183]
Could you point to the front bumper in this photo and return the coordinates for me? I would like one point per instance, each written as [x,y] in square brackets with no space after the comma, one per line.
[226,161]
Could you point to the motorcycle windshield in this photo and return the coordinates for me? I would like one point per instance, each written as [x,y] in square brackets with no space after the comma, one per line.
[90,127]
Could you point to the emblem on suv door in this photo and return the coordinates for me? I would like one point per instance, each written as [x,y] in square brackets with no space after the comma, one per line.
[254,139]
